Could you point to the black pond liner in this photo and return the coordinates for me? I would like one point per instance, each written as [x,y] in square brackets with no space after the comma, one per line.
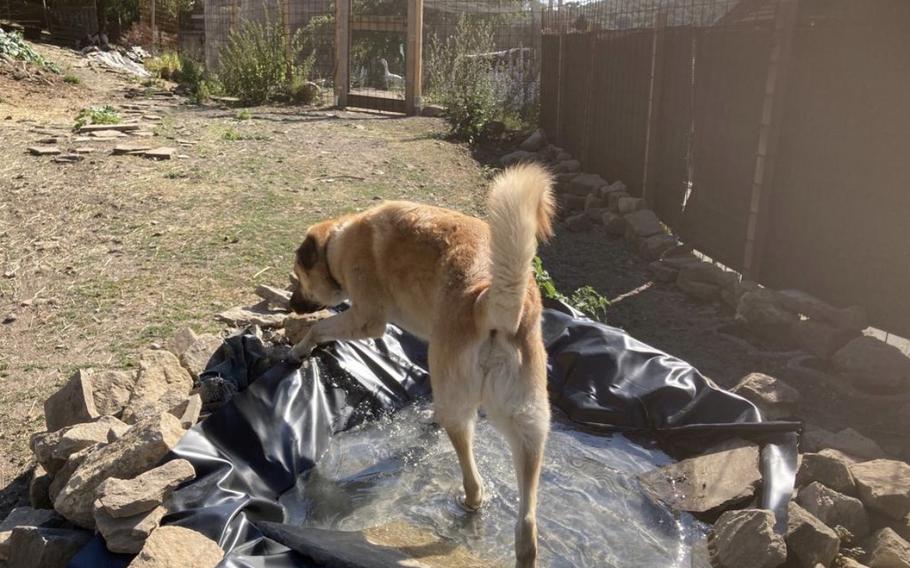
[254,448]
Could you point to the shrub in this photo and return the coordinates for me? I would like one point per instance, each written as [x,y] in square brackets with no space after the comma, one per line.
[166,66]
[13,46]
[585,299]
[97,115]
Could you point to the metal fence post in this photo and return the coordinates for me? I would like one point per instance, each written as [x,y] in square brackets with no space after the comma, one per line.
[655,91]
[769,135]
[414,56]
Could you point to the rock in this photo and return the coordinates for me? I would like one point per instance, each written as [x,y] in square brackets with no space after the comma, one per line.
[112,390]
[820,339]
[68,158]
[873,365]
[181,341]
[902,527]
[848,441]
[579,223]
[760,311]
[888,550]
[66,472]
[177,547]
[773,397]
[72,404]
[23,517]
[746,539]
[297,325]
[583,184]
[626,205]
[274,296]
[160,153]
[432,111]
[106,134]
[568,166]
[162,384]
[205,349]
[810,540]
[698,290]
[834,509]
[39,489]
[592,202]
[133,148]
[595,214]
[848,319]
[517,157]
[700,555]
[127,535]
[613,224]
[42,445]
[188,411]
[662,272]
[830,468]
[142,447]
[884,486]
[110,127]
[641,224]
[260,315]
[846,562]
[215,392]
[82,436]
[708,484]
[43,150]
[569,203]
[45,547]
[732,294]
[613,199]
[128,497]
[616,187]
[651,248]
[535,142]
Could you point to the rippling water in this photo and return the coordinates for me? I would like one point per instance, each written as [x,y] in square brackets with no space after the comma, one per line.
[591,511]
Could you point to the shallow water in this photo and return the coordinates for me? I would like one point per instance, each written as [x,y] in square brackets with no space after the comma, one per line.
[591,511]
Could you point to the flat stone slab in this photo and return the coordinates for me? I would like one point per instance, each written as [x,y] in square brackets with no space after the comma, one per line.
[884,486]
[121,149]
[173,546]
[107,134]
[260,315]
[125,127]
[120,498]
[746,539]
[72,404]
[43,150]
[160,153]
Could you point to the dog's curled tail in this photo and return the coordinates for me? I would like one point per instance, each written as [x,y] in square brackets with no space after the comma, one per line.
[520,209]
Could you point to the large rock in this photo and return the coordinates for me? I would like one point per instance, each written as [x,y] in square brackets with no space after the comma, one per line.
[196,357]
[81,436]
[127,535]
[517,157]
[39,489]
[181,341]
[23,517]
[188,411]
[849,319]
[884,486]
[162,384]
[873,365]
[642,223]
[32,547]
[626,205]
[888,550]
[846,562]
[820,339]
[579,223]
[829,467]
[848,441]
[66,472]
[651,248]
[613,224]
[809,540]
[178,547]
[260,314]
[127,497]
[276,297]
[834,509]
[140,449]
[112,389]
[698,290]
[746,539]
[535,142]
[583,184]
[707,485]
[772,396]
[761,308]
[72,404]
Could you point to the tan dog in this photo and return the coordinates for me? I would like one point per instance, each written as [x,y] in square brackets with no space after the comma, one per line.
[466,287]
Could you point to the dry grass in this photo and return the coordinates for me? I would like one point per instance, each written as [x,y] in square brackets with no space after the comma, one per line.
[106,256]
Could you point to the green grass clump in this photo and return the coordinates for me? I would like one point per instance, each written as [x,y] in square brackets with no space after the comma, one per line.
[585,299]
[12,45]
[97,115]
[166,66]
[71,79]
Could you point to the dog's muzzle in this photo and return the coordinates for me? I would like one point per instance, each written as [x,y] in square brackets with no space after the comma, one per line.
[302,305]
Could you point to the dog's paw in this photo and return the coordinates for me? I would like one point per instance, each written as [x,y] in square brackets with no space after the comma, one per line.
[301,351]
[462,503]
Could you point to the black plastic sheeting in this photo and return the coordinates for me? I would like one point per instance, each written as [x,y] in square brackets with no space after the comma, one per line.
[254,448]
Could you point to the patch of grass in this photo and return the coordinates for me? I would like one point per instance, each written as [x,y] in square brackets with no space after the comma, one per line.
[243,114]
[71,79]
[14,46]
[231,135]
[585,299]
[97,115]
[166,66]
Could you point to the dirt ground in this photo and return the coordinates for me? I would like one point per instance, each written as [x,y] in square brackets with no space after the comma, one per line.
[104,257]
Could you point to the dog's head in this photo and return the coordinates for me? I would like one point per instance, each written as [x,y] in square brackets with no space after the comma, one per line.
[317,286]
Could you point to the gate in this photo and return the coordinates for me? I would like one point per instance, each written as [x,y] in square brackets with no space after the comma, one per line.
[379,54]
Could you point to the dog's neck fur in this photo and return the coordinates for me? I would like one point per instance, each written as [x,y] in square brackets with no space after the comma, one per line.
[328,265]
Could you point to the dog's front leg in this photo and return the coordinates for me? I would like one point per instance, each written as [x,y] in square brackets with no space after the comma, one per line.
[351,324]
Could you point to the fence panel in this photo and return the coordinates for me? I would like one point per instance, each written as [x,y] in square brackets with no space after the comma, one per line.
[838,215]
[549,82]
[574,95]
[731,66]
[669,168]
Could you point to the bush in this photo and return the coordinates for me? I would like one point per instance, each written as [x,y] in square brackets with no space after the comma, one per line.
[13,46]
[166,66]
[585,299]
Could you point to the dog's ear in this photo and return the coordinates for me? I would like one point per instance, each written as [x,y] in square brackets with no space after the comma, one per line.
[307,255]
